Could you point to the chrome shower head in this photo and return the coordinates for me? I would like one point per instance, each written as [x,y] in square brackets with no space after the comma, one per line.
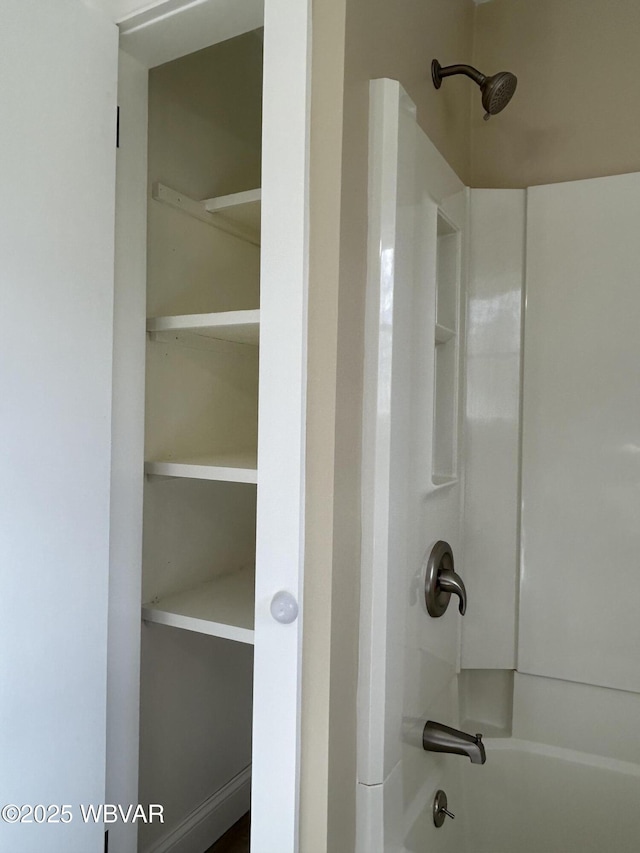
[497,90]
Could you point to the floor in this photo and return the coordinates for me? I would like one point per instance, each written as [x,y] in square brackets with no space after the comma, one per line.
[236,840]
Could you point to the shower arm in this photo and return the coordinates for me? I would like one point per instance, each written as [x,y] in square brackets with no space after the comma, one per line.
[438,72]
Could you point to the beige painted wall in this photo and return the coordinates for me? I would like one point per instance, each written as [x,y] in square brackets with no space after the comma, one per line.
[324,254]
[398,40]
[575,112]
[353,41]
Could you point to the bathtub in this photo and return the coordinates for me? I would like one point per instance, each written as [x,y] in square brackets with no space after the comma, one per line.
[531,798]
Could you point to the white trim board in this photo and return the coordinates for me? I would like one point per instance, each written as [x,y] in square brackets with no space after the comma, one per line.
[169,30]
[282,423]
[210,820]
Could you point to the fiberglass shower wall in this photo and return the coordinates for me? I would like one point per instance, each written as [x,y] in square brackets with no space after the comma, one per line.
[554,593]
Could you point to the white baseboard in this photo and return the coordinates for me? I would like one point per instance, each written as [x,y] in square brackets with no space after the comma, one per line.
[211,819]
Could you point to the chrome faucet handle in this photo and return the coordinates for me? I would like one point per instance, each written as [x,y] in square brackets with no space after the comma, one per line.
[441,581]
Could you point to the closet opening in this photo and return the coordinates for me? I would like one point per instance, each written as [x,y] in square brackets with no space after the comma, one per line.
[201,433]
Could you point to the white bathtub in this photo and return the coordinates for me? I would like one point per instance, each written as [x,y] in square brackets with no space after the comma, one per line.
[530,798]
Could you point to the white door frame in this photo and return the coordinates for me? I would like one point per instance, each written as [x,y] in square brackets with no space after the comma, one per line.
[163,32]
[282,422]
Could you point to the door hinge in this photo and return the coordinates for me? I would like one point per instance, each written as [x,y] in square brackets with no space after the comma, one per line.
[117,127]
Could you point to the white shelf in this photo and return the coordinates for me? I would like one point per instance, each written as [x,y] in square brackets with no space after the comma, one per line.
[241,208]
[239,326]
[237,214]
[443,334]
[228,467]
[223,607]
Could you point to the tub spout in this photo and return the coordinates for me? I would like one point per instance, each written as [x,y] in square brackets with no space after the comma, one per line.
[439,738]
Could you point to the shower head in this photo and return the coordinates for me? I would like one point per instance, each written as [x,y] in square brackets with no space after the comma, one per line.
[497,90]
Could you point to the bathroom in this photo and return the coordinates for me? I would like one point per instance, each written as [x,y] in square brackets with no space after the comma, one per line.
[545,465]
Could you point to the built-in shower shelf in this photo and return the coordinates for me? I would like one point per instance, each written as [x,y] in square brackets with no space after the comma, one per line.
[443,334]
[445,438]
[443,480]
[487,729]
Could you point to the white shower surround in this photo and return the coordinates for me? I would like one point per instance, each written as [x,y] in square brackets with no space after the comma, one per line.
[569,778]
[544,799]
[530,798]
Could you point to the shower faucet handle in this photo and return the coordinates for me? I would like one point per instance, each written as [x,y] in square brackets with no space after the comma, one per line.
[441,581]
[452,583]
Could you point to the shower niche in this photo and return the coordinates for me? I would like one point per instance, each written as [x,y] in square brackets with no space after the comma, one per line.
[486,701]
[445,417]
